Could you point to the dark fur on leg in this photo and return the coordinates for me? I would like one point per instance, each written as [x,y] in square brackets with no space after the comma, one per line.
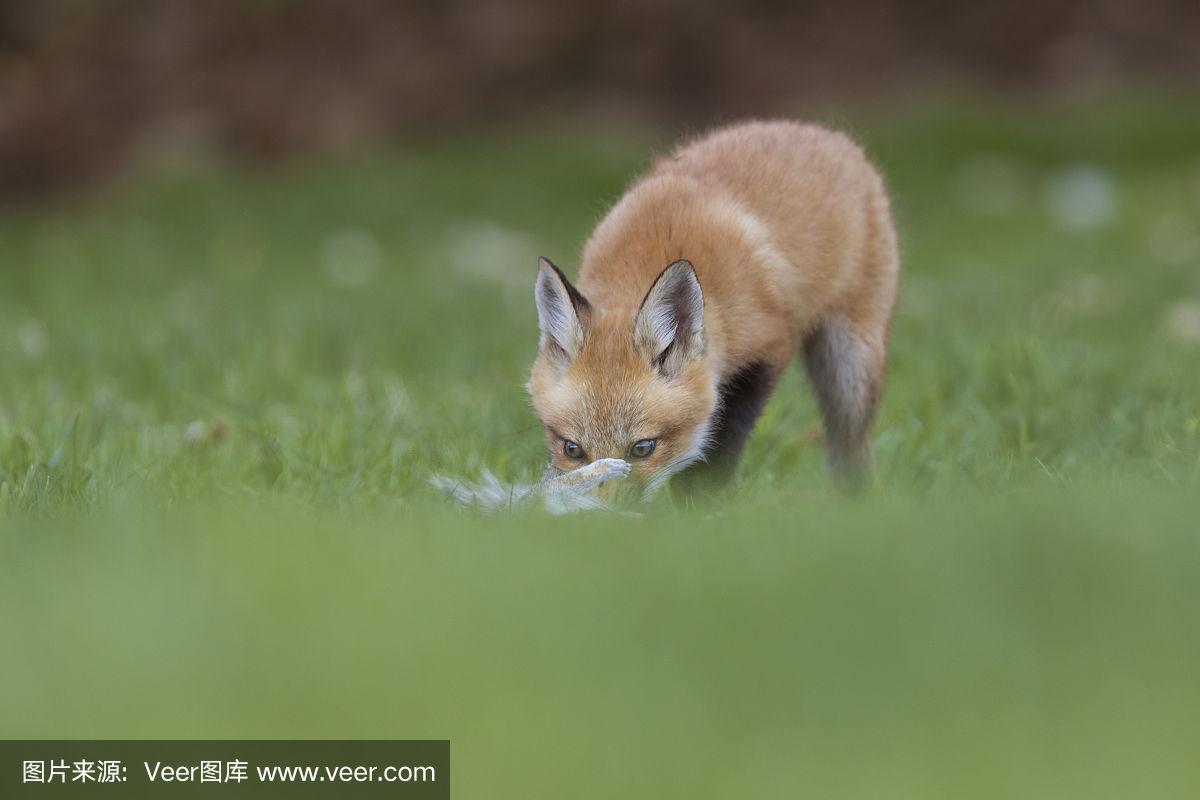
[743,397]
[846,377]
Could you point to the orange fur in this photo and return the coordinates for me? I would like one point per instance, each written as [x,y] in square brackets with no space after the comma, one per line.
[788,229]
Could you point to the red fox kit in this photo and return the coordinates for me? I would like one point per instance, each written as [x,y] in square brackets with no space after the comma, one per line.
[729,257]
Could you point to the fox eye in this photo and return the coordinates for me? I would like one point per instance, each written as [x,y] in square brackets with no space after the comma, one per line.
[572,450]
[643,448]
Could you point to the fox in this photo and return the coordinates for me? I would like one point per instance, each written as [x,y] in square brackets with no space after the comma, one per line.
[735,253]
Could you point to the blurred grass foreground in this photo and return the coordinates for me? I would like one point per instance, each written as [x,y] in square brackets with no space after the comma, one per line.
[222,394]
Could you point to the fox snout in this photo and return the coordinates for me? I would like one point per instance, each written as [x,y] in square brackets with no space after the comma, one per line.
[603,480]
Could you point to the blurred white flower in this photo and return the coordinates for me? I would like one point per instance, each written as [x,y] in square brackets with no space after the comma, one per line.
[1182,322]
[1081,198]
[33,339]
[196,431]
[351,258]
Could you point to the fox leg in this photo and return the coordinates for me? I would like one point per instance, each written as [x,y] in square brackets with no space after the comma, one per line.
[743,397]
[845,362]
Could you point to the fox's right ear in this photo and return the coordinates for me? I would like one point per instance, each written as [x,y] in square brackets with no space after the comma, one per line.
[563,313]
[669,327]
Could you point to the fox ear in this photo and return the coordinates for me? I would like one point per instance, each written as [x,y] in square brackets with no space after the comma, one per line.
[562,312]
[669,328]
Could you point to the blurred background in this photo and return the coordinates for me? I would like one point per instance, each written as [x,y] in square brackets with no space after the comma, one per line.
[266,266]
[88,87]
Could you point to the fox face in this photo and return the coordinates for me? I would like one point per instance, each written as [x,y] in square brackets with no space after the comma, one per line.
[627,383]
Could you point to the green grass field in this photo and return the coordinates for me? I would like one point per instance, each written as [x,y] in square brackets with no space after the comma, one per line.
[223,392]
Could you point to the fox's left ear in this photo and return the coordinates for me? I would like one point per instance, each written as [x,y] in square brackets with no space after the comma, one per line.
[669,328]
[563,313]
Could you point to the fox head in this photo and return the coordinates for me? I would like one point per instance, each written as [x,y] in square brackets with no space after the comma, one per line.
[629,383]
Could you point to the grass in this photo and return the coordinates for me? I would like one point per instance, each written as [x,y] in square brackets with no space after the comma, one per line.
[222,393]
